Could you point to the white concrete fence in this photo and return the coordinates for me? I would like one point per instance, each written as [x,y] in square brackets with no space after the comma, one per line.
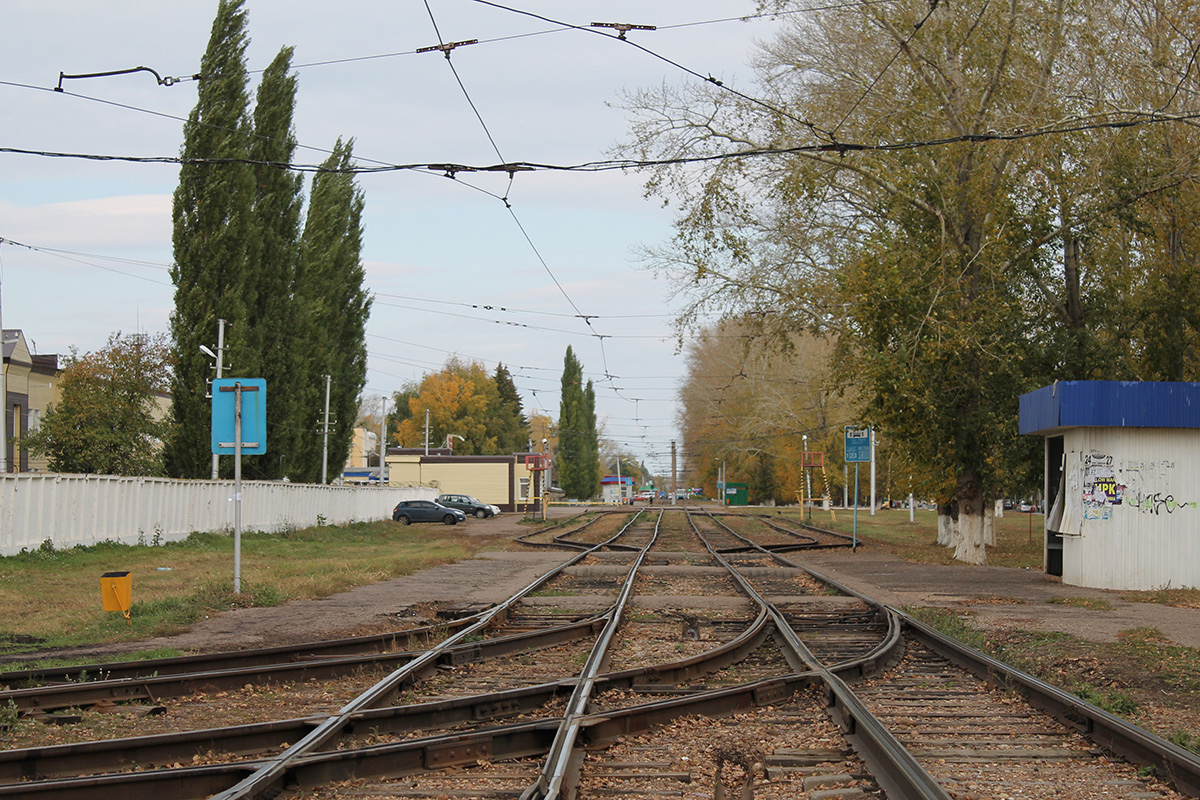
[69,510]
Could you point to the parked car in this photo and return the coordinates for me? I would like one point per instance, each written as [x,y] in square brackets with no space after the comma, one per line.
[407,511]
[468,505]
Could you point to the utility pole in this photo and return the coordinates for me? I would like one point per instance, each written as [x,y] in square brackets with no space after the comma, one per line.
[872,472]
[382,435]
[216,463]
[427,431]
[325,435]
[674,487]
[3,406]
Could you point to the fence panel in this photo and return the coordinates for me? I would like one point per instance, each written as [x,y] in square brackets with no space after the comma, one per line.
[69,510]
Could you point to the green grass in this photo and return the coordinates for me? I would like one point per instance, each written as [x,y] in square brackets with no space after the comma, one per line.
[55,594]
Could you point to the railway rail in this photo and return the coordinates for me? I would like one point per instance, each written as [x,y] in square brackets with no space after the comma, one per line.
[672,654]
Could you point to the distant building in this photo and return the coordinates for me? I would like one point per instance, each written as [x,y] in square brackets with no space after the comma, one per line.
[31,386]
[1122,481]
[511,482]
[616,490]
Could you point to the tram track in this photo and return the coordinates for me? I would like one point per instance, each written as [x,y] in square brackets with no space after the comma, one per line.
[677,669]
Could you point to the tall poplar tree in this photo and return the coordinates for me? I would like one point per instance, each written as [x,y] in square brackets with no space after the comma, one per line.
[271,321]
[591,443]
[578,445]
[212,238]
[334,308]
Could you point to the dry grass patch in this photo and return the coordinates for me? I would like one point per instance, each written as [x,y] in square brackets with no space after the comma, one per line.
[1018,536]
[1180,598]
[51,598]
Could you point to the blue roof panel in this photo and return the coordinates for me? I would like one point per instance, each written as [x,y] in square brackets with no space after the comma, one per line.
[1110,404]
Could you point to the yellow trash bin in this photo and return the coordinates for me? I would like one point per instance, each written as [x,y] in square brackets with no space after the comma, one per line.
[116,590]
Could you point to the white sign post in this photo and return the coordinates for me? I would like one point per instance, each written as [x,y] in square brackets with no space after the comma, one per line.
[247,415]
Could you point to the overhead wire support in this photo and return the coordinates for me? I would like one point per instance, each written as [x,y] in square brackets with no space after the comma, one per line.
[162,80]
[623,28]
[447,47]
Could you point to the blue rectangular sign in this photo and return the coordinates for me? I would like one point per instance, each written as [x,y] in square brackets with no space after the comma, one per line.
[254,415]
[858,443]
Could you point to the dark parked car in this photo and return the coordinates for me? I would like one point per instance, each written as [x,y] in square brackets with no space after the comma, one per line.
[407,511]
[468,505]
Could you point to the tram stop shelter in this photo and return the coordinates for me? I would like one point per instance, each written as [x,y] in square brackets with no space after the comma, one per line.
[1122,481]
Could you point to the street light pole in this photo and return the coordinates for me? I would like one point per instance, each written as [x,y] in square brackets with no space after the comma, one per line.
[220,354]
[3,407]
[325,435]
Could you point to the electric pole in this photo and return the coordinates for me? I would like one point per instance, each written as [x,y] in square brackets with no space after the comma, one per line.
[3,407]
[216,462]
[674,475]
[325,435]
[382,435]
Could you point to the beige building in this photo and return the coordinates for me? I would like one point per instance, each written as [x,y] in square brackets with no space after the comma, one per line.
[31,385]
[509,482]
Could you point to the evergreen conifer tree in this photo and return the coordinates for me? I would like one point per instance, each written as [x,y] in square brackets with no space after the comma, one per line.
[508,423]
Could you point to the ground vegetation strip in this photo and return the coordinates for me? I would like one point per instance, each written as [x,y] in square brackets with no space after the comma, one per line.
[55,594]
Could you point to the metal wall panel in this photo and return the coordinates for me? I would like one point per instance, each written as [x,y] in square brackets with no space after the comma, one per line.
[1114,404]
[69,510]
[1133,503]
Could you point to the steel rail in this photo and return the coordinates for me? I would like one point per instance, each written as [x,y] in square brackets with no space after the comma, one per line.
[860,665]
[894,768]
[231,659]
[95,757]
[524,537]
[412,756]
[1110,732]
[561,761]
[90,693]
[846,541]
[270,776]
[561,539]
[160,678]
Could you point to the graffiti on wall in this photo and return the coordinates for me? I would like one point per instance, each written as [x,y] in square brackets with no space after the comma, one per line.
[1105,487]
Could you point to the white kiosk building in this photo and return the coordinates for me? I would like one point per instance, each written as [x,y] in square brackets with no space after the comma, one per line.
[1122,481]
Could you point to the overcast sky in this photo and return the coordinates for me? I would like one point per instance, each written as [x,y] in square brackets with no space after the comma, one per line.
[435,249]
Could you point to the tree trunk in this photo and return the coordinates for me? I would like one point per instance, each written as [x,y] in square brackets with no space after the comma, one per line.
[969,547]
[945,535]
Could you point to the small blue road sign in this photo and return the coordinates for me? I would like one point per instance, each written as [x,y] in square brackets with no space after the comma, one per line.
[253,395]
[858,443]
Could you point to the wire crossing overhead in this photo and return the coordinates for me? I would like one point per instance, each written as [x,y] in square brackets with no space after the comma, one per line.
[623,28]
[446,48]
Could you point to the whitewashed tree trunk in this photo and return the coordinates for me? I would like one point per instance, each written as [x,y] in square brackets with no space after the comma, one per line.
[945,536]
[969,546]
[991,511]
